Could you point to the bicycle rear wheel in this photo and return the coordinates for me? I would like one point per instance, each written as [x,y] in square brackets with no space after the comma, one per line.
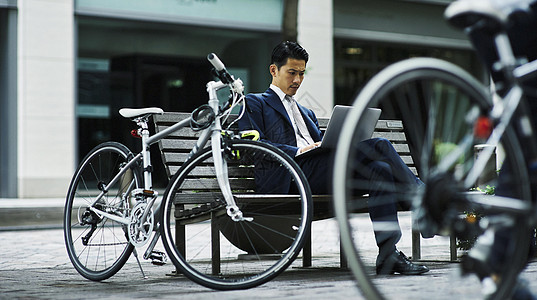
[437,106]
[207,246]
[98,246]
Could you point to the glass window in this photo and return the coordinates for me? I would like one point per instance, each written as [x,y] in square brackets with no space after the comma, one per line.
[357,61]
[125,63]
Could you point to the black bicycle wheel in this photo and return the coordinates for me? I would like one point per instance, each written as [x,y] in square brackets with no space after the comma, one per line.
[213,250]
[98,246]
[434,106]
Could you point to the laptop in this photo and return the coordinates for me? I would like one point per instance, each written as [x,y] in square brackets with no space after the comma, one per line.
[335,124]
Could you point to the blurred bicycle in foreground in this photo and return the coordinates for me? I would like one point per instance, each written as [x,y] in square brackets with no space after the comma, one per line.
[446,115]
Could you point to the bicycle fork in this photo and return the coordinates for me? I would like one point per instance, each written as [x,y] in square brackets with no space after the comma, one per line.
[220,166]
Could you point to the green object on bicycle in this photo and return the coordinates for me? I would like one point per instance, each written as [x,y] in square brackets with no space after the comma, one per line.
[249,135]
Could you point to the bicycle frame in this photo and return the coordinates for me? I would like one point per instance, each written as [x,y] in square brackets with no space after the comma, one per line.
[213,132]
[503,111]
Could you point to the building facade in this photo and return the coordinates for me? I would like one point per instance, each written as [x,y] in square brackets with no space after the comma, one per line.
[69,65]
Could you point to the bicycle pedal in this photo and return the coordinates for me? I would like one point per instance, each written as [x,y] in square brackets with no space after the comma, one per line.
[144,193]
[158,258]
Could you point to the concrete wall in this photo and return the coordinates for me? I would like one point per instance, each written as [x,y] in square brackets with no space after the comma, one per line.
[8,103]
[46,121]
[315,34]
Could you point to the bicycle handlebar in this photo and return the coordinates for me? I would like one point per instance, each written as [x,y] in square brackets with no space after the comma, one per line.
[236,85]
[216,62]
[220,69]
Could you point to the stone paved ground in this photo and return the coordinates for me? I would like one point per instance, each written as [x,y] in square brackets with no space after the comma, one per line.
[34,265]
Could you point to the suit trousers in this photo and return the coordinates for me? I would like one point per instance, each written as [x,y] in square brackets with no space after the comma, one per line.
[382,171]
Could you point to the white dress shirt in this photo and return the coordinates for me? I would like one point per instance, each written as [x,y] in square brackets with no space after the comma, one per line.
[300,140]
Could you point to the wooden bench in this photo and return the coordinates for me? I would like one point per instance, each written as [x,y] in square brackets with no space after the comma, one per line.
[175,148]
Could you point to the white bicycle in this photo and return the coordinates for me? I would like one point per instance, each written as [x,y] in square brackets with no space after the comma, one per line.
[110,207]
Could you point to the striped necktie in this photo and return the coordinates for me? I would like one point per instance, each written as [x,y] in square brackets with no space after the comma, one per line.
[299,121]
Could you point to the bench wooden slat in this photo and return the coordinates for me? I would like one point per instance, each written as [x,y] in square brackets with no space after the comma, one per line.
[177,145]
[391,136]
[207,197]
[241,172]
[402,149]
[181,133]
[205,184]
[389,125]
[174,158]
[407,160]
[322,208]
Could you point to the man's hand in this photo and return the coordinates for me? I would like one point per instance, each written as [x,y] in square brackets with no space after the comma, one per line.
[308,147]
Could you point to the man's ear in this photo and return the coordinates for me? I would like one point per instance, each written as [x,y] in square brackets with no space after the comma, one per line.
[272,69]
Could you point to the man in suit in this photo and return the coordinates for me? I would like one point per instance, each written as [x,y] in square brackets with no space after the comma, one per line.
[284,123]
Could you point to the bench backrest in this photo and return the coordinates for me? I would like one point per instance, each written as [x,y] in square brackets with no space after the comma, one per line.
[176,147]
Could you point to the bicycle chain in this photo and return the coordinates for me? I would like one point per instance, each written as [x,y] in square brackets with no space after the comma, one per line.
[111,244]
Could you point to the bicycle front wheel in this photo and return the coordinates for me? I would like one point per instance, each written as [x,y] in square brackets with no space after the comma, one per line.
[98,246]
[210,248]
[434,106]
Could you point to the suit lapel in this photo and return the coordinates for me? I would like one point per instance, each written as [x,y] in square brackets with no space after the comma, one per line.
[272,99]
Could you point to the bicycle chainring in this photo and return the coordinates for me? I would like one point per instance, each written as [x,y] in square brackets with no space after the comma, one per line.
[140,232]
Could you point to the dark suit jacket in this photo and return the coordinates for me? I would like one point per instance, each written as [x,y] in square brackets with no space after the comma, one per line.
[266,114]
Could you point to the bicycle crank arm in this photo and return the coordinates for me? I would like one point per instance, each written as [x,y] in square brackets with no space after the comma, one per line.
[151,246]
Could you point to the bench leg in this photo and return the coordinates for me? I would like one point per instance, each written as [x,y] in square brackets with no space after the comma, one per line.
[180,241]
[215,245]
[416,240]
[453,247]
[416,245]
[342,258]
[306,250]
[180,236]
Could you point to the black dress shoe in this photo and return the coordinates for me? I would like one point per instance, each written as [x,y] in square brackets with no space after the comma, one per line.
[397,262]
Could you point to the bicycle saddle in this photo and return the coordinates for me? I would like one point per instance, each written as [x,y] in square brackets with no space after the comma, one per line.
[138,112]
[491,14]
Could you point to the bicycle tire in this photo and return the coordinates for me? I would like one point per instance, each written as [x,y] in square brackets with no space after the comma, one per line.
[250,252]
[434,100]
[107,248]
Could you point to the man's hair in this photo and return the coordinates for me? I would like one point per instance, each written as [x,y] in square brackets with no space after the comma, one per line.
[285,50]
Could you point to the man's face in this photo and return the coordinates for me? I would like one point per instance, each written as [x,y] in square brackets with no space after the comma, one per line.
[289,77]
